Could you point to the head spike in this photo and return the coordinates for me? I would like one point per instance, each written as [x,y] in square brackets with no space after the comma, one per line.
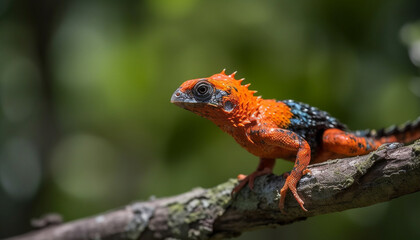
[241,80]
[223,71]
[247,85]
[246,121]
[232,75]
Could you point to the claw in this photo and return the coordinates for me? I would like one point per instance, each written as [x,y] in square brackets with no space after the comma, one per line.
[307,171]
[241,177]
[291,182]
[249,179]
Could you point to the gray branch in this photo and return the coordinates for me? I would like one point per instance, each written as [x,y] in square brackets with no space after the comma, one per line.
[391,171]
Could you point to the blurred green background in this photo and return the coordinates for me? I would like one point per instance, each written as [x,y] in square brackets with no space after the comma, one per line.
[85,119]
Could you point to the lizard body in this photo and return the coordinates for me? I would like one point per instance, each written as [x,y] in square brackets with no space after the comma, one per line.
[271,129]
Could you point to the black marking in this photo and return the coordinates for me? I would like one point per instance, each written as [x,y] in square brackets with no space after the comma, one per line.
[257,132]
[397,131]
[380,132]
[352,137]
[369,144]
[407,127]
[235,89]
[391,130]
[362,133]
[310,123]
[353,150]
[217,98]
[254,132]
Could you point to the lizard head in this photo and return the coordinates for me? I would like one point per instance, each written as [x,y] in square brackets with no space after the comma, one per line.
[217,97]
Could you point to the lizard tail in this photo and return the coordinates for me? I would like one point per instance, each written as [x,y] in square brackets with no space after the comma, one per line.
[338,143]
[405,133]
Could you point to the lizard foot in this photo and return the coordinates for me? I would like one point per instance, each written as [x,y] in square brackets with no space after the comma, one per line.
[250,179]
[291,181]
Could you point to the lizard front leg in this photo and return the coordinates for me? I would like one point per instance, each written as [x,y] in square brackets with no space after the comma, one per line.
[265,166]
[290,141]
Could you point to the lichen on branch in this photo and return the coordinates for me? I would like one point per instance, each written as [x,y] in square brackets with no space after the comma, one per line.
[389,172]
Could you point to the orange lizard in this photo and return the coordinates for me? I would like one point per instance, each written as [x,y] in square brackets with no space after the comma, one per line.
[272,129]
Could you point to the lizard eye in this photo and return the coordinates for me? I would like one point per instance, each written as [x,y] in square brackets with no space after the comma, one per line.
[203,91]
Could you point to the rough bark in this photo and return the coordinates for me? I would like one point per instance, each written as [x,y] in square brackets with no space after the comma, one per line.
[391,171]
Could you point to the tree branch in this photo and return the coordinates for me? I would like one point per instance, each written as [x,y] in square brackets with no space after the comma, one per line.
[391,171]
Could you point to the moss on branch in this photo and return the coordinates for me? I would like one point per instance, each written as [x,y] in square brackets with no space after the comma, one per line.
[391,171]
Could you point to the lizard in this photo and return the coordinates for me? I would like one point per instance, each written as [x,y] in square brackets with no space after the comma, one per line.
[287,129]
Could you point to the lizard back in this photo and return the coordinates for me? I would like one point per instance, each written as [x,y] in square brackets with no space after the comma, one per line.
[310,122]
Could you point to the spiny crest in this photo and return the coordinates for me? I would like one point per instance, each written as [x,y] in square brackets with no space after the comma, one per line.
[230,80]
[239,117]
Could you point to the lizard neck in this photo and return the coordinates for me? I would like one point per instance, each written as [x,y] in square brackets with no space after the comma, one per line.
[242,115]
[256,111]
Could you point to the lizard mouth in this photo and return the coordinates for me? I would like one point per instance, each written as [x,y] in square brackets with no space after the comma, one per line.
[182,99]
[187,101]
